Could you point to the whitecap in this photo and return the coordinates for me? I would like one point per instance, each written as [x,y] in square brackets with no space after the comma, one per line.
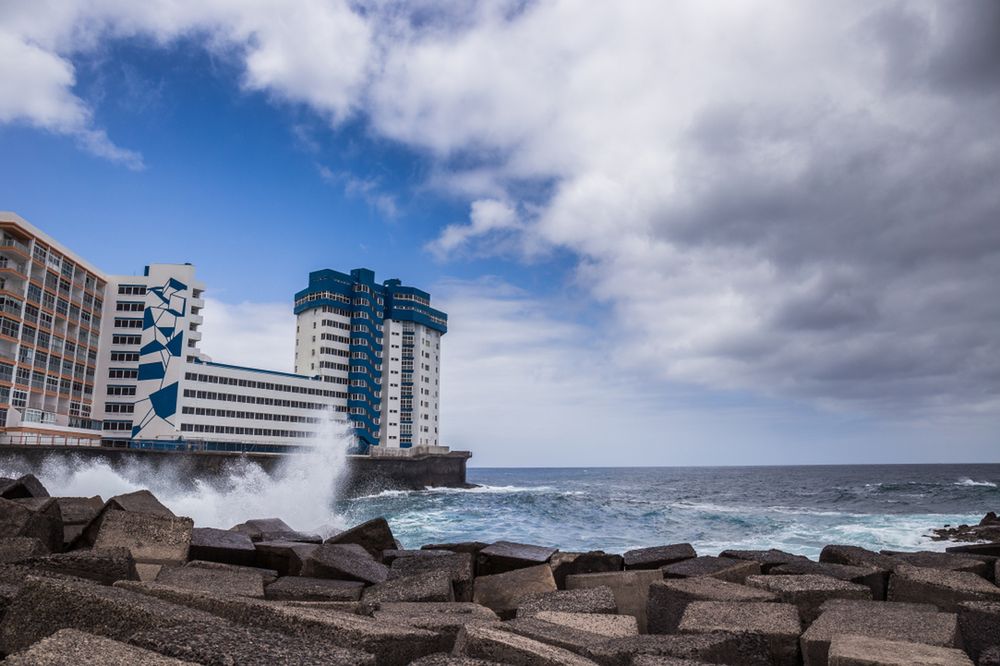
[969,482]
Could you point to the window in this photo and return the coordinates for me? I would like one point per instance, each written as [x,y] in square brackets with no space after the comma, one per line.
[124,357]
[122,373]
[127,322]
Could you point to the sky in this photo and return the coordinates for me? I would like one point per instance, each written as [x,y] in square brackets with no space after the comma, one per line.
[686,233]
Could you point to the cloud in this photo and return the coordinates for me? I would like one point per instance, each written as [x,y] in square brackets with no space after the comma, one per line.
[257,335]
[490,222]
[369,190]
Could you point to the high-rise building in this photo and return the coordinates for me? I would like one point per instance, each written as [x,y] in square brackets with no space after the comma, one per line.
[381,341]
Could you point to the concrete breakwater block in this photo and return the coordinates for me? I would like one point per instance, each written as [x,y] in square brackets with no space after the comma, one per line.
[944,589]
[610,625]
[77,513]
[776,623]
[715,648]
[876,579]
[18,548]
[268,576]
[767,559]
[472,547]
[21,488]
[345,562]
[856,556]
[504,556]
[430,586]
[979,622]
[882,621]
[865,651]
[391,555]
[285,557]
[226,581]
[808,592]
[458,566]
[444,619]
[101,566]
[596,561]
[504,592]
[723,568]
[274,529]
[658,556]
[505,647]
[577,641]
[946,562]
[374,536]
[302,588]
[152,539]
[669,598]
[585,600]
[69,646]
[630,589]
[38,518]
[214,545]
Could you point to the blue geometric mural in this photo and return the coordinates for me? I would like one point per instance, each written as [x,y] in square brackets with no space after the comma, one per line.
[163,319]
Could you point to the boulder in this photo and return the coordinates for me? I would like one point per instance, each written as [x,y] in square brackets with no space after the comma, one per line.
[853,605]
[990,656]
[37,518]
[267,576]
[876,579]
[444,619]
[389,556]
[945,561]
[224,581]
[447,659]
[575,640]
[988,549]
[979,622]
[458,566]
[152,539]
[504,556]
[69,646]
[610,625]
[345,562]
[808,592]
[141,501]
[285,557]
[767,559]
[21,488]
[630,589]
[584,600]
[472,547]
[504,592]
[430,586]
[776,623]
[18,548]
[669,598]
[723,568]
[214,545]
[77,513]
[374,536]
[274,529]
[649,660]
[944,589]
[864,651]
[883,621]
[302,588]
[856,556]
[494,644]
[715,648]
[658,556]
[104,566]
[595,561]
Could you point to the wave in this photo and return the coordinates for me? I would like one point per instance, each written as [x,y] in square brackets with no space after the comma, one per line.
[479,490]
[969,482]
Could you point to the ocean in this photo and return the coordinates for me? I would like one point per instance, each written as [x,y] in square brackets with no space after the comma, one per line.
[798,509]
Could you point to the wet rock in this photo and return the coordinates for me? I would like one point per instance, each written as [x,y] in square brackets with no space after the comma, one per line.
[285,557]
[504,592]
[374,536]
[777,623]
[723,568]
[979,622]
[585,600]
[944,589]
[808,592]
[485,642]
[630,589]
[151,538]
[16,549]
[458,566]
[101,566]
[345,562]
[225,581]
[865,651]
[444,619]
[213,545]
[69,646]
[767,559]
[595,561]
[301,588]
[36,518]
[658,556]
[669,598]
[274,529]
[21,488]
[988,549]
[876,579]
[715,648]
[504,556]
[430,586]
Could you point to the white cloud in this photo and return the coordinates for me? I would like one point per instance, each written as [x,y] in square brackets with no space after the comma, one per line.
[490,222]
[256,335]
[367,189]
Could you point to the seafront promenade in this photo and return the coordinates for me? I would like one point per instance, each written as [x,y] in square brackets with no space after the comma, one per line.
[88,581]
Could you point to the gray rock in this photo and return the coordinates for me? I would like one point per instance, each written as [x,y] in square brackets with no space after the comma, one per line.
[490,643]
[345,562]
[472,547]
[151,538]
[445,659]
[23,487]
[141,501]
[870,606]
[648,660]
[577,641]
[808,592]
[444,619]
[268,576]
[274,529]
[865,651]
[669,598]
[213,545]
[504,556]
[35,518]
[658,556]
[723,568]
[101,566]
[77,514]
[777,623]
[374,536]
[856,556]
[585,600]
[876,579]
[69,646]
[301,588]
[944,589]
[945,561]
[990,656]
[715,648]
[223,581]
[979,622]
[630,588]
[767,559]
[457,565]
[881,621]
[988,549]
[389,556]
[285,557]
[504,592]
[430,586]
[603,624]
[19,548]
[596,561]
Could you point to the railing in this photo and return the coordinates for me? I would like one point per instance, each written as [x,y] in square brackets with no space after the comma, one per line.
[33,439]
[7,241]
[13,265]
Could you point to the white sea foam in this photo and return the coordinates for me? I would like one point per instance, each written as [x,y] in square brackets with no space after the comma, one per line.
[969,482]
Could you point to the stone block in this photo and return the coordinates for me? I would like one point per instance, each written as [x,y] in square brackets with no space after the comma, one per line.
[285,557]
[990,656]
[669,598]
[944,589]
[630,588]
[373,535]
[649,660]
[767,559]
[141,501]
[595,561]
[18,548]
[979,622]
[69,646]
[603,624]
[151,538]
[77,514]
[274,529]
[584,600]
[213,545]
[716,648]
[723,568]
[876,579]
[505,647]
[809,591]
[472,547]
[223,581]
[504,556]
[430,586]
[36,518]
[444,619]
[445,659]
[882,621]
[572,639]
[945,561]
[856,556]
[268,576]
[389,556]
[504,592]
[870,606]
[865,651]
[777,623]
[301,588]
[457,565]
[148,572]
[101,566]
[21,488]
[345,562]
[658,556]
[988,549]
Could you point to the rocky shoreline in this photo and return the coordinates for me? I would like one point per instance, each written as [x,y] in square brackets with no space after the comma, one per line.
[125,581]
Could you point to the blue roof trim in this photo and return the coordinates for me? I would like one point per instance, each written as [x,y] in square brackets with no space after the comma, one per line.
[213,364]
